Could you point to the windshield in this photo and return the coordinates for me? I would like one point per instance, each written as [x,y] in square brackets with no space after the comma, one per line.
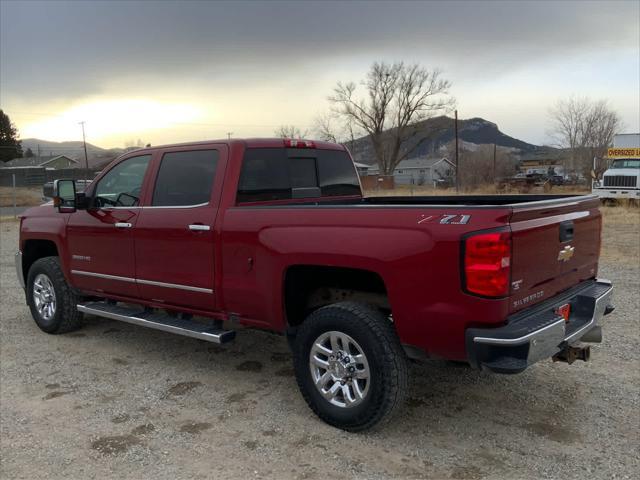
[631,163]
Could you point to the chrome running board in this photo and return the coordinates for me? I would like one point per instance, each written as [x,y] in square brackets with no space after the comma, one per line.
[158,320]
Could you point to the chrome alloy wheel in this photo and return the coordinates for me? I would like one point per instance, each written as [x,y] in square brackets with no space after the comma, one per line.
[339,369]
[44,296]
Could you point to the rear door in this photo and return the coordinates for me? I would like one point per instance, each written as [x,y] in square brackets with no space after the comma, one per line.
[174,236]
[555,245]
[100,238]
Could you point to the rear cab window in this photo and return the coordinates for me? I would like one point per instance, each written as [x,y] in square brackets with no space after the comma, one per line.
[270,174]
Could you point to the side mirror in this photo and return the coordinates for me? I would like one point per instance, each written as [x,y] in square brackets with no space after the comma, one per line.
[64,195]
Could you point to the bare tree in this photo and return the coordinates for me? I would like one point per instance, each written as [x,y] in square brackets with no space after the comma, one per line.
[325,129]
[479,168]
[290,131]
[586,128]
[337,130]
[397,96]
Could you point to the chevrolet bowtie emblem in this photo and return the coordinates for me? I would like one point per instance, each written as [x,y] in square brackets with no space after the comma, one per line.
[566,253]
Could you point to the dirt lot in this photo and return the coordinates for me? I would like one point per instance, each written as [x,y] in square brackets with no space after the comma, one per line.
[114,400]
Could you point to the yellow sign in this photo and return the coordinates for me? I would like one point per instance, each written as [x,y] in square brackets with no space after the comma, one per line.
[623,153]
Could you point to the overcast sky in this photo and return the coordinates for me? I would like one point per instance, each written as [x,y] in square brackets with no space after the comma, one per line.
[178,71]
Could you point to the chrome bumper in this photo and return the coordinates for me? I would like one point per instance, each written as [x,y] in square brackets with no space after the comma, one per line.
[616,192]
[19,271]
[539,332]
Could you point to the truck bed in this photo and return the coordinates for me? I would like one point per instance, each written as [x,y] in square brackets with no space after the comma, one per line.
[448,200]
[467,200]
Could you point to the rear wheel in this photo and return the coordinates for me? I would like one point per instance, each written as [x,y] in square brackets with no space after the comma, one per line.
[350,366]
[53,304]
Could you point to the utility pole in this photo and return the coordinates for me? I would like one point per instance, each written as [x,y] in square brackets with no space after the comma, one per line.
[457,171]
[494,163]
[86,158]
[229,135]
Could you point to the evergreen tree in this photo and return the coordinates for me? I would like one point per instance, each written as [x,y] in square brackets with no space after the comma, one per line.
[10,146]
[28,153]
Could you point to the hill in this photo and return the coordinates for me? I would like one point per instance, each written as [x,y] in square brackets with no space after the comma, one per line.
[98,157]
[440,131]
[73,149]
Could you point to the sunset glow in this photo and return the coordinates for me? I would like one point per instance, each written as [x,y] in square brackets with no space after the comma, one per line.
[110,119]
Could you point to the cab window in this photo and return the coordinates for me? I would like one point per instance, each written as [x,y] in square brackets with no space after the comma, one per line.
[281,174]
[185,178]
[121,186]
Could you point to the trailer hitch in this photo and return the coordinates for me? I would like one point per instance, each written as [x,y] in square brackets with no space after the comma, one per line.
[570,354]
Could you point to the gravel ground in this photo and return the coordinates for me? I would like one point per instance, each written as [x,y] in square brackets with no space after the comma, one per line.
[114,400]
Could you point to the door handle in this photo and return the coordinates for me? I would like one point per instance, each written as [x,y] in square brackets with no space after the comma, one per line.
[199,228]
[122,225]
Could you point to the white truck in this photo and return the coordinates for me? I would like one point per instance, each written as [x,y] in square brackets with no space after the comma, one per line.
[622,178]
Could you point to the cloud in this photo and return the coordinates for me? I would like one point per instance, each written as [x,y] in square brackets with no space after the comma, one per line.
[59,52]
[75,47]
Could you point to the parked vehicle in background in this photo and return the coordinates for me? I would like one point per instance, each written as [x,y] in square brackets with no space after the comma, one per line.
[556,180]
[622,178]
[196,239]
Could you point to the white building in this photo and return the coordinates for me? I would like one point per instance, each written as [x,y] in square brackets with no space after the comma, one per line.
[420,171]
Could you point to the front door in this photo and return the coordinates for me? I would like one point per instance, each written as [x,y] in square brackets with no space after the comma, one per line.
[174,235]
[100,239]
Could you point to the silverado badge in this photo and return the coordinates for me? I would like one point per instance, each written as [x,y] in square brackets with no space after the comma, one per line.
[566,253]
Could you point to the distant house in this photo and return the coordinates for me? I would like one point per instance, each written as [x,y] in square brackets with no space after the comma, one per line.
[420,171]
[50,163]
[362,168]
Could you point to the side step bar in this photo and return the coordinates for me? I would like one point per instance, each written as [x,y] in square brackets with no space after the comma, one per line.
[158,321]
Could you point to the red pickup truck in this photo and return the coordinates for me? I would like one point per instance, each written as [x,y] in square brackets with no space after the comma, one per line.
[197,239]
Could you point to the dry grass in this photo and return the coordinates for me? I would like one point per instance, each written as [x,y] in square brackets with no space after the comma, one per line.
[621,235]
[25,196]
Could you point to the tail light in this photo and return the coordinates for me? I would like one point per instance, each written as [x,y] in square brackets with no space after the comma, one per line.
[487,264]
[289,143]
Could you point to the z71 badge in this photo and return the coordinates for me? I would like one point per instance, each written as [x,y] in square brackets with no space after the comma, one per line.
[445,219]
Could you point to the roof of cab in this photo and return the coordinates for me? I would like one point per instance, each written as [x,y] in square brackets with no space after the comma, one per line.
[246,142]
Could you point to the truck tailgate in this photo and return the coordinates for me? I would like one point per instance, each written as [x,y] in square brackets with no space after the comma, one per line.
[555,245]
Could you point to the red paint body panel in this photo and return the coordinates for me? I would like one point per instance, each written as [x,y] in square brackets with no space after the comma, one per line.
[96,245]
[419,264]
[243,259]
[536,245]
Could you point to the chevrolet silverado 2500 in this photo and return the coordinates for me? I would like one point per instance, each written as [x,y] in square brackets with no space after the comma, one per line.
[198,239]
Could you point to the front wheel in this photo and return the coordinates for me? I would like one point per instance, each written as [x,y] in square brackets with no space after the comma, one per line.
[53,304]
[350,366]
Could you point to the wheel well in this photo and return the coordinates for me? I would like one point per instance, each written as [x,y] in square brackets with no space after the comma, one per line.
[309,287]
[34,250]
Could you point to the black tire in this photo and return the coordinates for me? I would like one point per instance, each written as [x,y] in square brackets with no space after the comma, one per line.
[386,359]
[66,316]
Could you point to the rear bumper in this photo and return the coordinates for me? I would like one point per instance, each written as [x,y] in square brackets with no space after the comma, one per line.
[539,332]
